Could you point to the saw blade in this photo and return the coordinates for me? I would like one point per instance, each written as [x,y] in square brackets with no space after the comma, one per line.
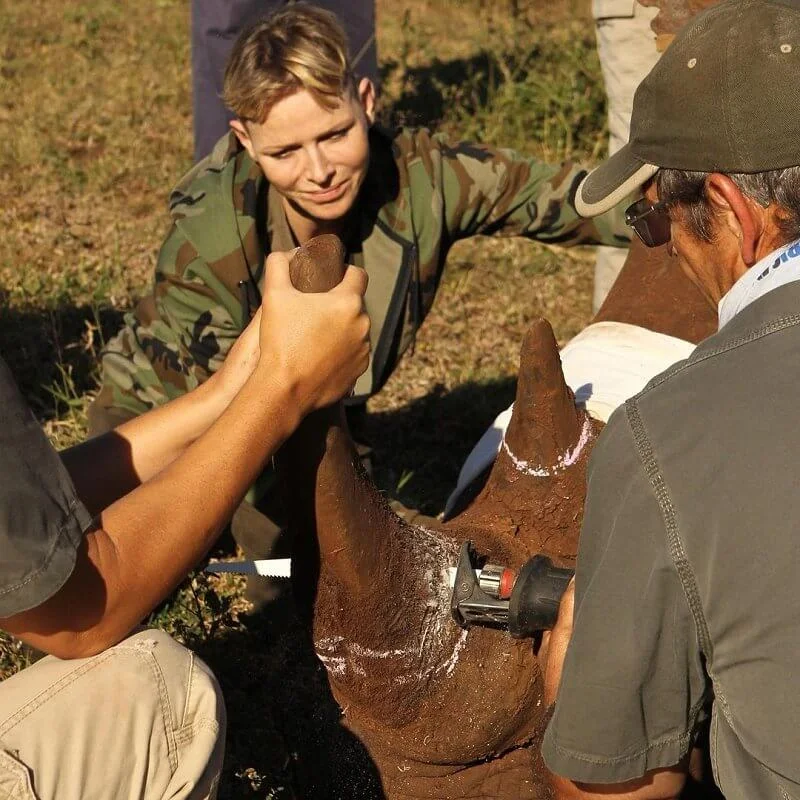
[268,567]
[451,576]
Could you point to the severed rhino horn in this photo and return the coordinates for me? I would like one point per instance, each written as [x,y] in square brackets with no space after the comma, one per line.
[324,481]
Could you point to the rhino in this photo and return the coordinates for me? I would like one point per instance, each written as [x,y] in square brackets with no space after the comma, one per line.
[444,712]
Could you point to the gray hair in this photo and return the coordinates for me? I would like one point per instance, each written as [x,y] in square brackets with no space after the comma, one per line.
[778,186]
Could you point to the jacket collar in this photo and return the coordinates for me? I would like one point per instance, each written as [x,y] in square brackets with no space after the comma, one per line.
[780,267]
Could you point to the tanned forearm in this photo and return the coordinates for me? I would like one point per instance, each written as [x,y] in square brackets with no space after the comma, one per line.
[110,466]
[188,465]
[107,467]
[119,578]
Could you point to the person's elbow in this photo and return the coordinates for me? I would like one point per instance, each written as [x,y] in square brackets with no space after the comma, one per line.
[81,619]
[58,641]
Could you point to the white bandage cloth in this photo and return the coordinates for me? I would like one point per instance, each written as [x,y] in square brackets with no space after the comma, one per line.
[604,365]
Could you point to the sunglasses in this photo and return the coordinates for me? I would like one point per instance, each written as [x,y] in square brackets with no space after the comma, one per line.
[650,221]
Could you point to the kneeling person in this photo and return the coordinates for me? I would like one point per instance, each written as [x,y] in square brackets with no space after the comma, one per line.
[685,598]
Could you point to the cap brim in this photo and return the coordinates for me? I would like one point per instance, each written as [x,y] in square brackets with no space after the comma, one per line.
[612,182]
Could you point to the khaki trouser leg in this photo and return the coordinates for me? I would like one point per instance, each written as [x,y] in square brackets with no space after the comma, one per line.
[144,720]
[627,49]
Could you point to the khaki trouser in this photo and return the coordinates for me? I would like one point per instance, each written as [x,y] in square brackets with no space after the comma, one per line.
[626,46]
[144,719]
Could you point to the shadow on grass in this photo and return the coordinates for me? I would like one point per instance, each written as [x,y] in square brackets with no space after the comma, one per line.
[419,449]
[425,98]
[55,350]
[285,735]
[530,92]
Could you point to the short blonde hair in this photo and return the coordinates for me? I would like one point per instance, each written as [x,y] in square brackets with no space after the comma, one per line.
[299,47]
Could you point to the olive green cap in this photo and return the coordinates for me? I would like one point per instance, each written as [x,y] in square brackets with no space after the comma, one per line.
[724,97]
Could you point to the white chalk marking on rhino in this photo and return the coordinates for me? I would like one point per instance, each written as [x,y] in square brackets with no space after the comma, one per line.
[329,642]
[566,460]
[332,642]
[451,662]
[334,664]
[366,652]
[604,365]
[437,635]
[354,655]
[339,664]
[438,626]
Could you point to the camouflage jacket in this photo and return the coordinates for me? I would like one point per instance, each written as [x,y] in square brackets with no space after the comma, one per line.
[421,194]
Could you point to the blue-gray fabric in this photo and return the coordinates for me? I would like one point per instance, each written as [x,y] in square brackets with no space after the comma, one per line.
[41,519]
[688,566]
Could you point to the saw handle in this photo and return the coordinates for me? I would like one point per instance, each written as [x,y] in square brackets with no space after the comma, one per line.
[536,595]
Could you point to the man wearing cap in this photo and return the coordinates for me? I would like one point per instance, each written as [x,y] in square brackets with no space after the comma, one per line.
[685,600]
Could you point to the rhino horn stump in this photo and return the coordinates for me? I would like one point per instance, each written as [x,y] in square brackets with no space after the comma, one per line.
[545,423]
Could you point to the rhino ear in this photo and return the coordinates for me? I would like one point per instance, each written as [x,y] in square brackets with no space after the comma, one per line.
[545,423]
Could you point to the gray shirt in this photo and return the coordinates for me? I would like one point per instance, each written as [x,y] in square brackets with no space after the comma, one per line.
[41,519]
[688,567]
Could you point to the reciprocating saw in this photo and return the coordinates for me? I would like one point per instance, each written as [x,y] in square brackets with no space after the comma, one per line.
[524,603]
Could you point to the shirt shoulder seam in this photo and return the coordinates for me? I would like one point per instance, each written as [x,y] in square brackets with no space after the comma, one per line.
[775,326]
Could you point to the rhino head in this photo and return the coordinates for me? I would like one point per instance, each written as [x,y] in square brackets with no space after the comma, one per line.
[446,712]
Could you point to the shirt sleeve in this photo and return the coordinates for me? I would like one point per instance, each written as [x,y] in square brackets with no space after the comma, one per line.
[42,521]
[633,684]
[173,341]
[491,191]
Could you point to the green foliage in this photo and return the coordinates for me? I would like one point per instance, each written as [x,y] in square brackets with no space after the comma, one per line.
[546,100]
[528,85]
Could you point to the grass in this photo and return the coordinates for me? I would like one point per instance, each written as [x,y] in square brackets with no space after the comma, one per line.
[96,126]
